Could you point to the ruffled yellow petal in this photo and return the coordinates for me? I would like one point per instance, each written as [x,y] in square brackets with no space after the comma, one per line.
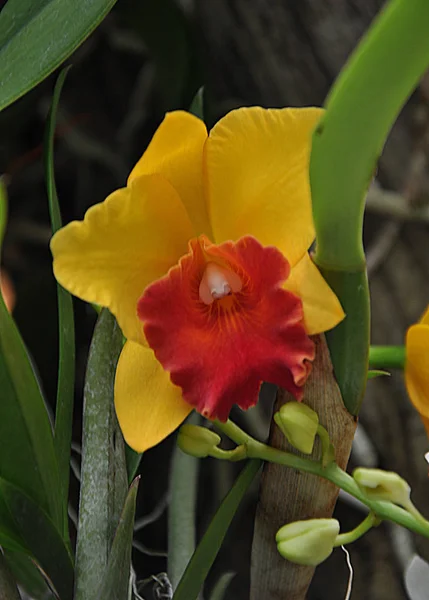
[257,182]
[122,245]
[149,407]
[425,318]
[322,309]
[417,369]
[176,152]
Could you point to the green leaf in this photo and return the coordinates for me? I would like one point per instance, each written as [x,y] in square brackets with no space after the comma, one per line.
[206,552]
[221,586]
[36,36]
[41,537]
[182,510]
[104,475]
[377,373]
[117,577]
[8,589]
[27,575]
[27,456]
[66,362]
[360,110]
[10,537]
[132,459]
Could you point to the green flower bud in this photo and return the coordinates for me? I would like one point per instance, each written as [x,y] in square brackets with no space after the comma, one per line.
[383,485]
[299,424]
[197,441]
[308,542]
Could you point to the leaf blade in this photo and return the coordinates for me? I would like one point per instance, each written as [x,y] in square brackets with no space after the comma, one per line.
[117,577]
[207,549]
[104,474]
[182,510]
[36,36]
[66,333]
[8,589]
[41,537]
[27,457]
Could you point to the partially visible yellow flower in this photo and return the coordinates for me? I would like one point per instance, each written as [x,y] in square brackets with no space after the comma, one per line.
[203,259]
[417,367]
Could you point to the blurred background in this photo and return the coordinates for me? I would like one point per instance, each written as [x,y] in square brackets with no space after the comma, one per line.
[149,57]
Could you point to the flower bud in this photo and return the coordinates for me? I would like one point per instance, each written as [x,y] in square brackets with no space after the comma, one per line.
[299,424]
[308,542]
[197,441]
[383,485]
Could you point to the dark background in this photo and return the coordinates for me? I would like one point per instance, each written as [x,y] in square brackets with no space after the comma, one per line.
[150,56]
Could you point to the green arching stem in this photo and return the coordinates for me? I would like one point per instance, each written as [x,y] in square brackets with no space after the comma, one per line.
[332,472]
[387,357]
[357,532]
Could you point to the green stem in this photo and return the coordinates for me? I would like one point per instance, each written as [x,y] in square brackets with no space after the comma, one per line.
[357,532]
[234,432]
[332,472]
[387,357]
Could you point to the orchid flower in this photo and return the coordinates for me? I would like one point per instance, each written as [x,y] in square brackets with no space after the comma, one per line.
[417,366]
[203,259]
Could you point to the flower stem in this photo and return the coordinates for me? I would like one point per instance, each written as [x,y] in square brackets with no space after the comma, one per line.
[357,532]
[388,357]
[332,472]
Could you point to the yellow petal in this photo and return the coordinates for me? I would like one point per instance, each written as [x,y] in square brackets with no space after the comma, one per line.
[122,245]
[425,318]
[417,368]
[322,309]
[149,407]
[176,152]
[257,177]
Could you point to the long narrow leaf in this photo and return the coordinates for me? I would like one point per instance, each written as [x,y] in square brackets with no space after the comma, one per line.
[36,36]
[361,108]
[207,549]
[27,456]
[27,575]
[117,577]
[8,589]
[221,586]
[42,539]
[104,475]
[182,510]
[66,354]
